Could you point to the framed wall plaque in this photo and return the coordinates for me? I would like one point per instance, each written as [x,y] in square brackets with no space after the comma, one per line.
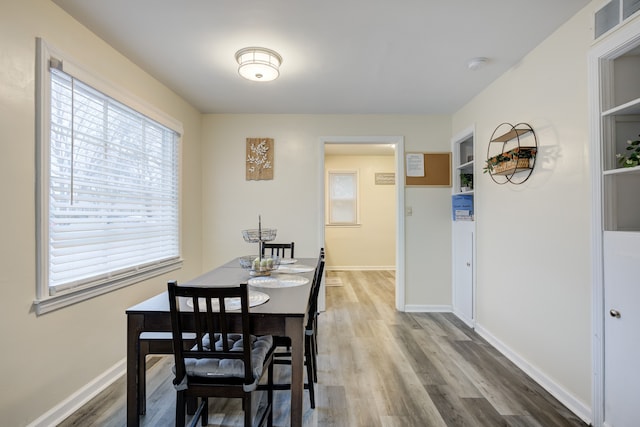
[259,159]
[385,178]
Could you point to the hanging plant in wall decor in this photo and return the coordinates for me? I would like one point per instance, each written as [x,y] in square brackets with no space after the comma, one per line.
[511,154]
[259,159]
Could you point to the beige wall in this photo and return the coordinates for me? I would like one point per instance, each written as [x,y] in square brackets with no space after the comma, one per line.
[292,201]
[370,245]
[533,245]
[47,358]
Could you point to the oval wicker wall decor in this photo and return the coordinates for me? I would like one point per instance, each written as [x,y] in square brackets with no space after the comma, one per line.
[511,153]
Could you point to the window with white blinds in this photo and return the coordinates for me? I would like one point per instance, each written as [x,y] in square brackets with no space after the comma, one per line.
[109,191]
[343,198]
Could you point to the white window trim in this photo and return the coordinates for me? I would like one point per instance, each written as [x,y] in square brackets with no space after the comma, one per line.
[355,224]
[44,302]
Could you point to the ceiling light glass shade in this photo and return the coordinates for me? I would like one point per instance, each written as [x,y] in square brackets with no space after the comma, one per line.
[258,64]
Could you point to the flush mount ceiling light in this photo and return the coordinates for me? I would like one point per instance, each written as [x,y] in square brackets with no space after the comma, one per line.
[258,64]
[475,63]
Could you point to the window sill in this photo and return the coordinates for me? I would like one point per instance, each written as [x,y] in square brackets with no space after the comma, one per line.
[73,296]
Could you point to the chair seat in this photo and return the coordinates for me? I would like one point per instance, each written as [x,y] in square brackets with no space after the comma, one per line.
[230,367]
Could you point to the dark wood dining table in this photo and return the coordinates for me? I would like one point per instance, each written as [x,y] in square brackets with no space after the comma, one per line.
[284,314]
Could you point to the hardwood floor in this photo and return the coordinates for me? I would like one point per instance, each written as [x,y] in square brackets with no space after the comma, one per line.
[377,367]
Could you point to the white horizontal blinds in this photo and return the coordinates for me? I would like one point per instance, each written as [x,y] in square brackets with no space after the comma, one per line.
[113,190]
[342,190]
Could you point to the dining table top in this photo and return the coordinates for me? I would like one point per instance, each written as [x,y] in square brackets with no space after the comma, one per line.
[292,300]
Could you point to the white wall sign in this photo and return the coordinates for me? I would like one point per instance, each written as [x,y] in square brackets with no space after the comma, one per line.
[415,164]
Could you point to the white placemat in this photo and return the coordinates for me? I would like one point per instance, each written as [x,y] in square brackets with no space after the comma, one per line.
[288,260]
[281,281]
[294,268]
[255,298]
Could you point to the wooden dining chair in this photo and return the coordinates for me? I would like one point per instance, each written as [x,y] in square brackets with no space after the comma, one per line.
[226,360]
[312,319]
[310,338]
[279,249]
[320,258]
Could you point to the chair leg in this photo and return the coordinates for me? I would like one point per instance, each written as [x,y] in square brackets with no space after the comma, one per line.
[314,351]
[180,409]
[310,354]
[192,405]
[270,395]
[205,411]
[202,412]
[311,388]
[247,410]
[310,369]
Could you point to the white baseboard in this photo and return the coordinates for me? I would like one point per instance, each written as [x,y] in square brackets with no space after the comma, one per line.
[566,398]
[71,404]
[414,308]
[359,267]
[469,322]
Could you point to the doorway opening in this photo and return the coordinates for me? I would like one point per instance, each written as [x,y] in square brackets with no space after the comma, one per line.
[353,145]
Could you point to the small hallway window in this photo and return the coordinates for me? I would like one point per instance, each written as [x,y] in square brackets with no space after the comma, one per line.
[343,197]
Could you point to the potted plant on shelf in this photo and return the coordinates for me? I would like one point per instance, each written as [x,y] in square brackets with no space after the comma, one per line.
[633,159]
[466,181]
[509,162]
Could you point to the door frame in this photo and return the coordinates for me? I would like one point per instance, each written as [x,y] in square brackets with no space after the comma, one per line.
[600,72]
[398,144]
[465,134]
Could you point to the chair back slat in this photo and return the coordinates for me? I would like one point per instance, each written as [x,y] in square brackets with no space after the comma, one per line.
[278,249]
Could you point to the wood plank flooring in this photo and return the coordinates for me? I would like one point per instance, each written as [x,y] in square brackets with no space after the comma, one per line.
[377,367]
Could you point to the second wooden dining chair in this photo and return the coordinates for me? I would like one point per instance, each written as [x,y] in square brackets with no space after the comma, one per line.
[279,249]
[226,361]
[310,338]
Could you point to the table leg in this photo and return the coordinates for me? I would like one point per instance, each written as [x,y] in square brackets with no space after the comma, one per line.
[141,381]
[135,323]
[295,330]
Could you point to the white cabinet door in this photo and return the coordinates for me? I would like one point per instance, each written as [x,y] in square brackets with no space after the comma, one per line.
[621,328]
[463,235]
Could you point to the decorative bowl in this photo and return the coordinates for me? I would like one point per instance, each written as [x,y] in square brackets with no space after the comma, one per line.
[259,235]
[259,266]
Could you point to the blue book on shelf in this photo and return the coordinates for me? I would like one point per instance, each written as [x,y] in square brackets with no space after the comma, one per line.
[462,207]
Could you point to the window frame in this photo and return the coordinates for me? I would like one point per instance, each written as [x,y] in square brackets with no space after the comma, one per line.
[356,201]
[47,300]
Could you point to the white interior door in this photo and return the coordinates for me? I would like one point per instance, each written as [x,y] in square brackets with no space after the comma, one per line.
[463,235]
[621,325]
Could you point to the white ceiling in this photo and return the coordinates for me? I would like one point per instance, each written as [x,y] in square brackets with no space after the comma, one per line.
[340,57]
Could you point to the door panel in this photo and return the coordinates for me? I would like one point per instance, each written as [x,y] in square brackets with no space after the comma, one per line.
[463,270]
[621,328]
